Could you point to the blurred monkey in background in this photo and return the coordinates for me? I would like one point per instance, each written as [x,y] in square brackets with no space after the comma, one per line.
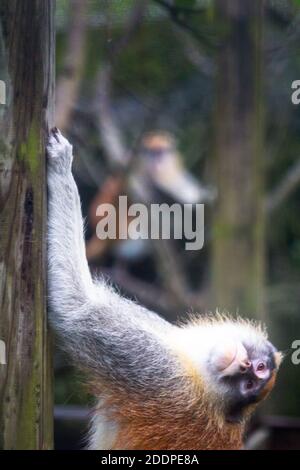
[158,175]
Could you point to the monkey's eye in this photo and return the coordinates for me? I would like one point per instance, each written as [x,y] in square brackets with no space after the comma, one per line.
[156,153]
[247,387]
[249,384]
[261,369]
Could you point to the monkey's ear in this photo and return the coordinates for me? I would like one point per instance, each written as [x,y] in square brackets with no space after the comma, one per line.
[278,356]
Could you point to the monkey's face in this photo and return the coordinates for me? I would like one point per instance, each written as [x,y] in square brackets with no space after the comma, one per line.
[247,373]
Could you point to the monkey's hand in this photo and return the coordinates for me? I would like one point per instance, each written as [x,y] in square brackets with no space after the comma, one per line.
[59,152]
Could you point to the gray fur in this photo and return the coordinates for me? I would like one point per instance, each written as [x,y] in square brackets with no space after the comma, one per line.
[114,338]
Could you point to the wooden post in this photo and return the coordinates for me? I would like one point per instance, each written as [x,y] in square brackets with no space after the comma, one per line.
[27,66]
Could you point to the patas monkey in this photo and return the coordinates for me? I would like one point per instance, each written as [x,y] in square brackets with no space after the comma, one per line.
[158,386]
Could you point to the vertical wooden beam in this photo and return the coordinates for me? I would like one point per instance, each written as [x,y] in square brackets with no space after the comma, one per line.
[28,47]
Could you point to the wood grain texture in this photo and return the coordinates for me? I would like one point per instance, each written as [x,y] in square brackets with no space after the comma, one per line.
[25,382]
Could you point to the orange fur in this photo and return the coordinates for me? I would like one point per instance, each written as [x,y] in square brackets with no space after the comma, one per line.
[186,416]
[184,420]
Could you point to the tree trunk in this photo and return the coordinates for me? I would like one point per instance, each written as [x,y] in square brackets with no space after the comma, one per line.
[28,44]
[238,247]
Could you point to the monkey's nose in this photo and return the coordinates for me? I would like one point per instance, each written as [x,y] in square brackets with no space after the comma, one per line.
[245,365]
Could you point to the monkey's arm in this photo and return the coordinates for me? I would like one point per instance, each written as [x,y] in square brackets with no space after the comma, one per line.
[110,336]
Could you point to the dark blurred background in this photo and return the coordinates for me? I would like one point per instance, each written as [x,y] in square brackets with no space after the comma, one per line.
[190,101]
